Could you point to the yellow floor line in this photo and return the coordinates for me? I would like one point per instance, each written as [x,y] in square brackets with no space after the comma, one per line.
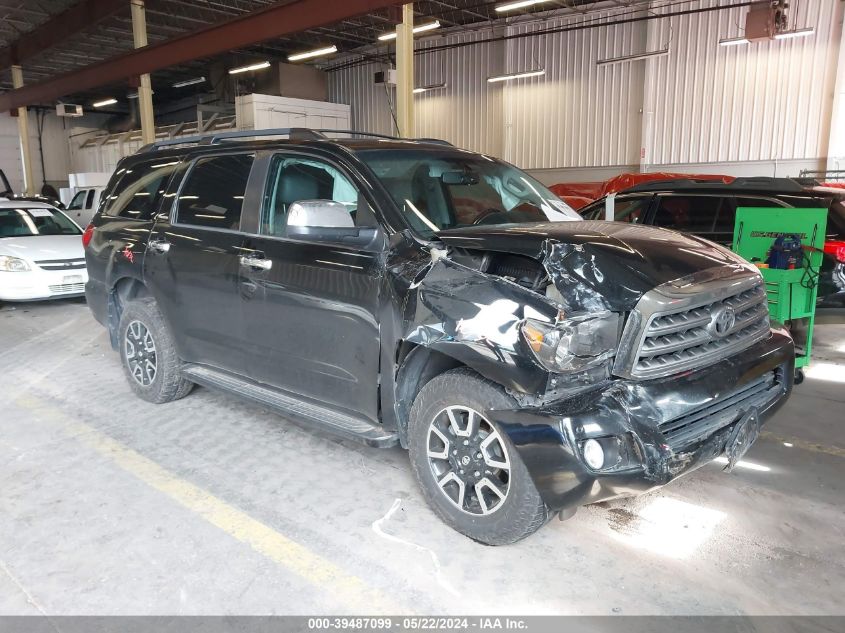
[803,444]
[293,556]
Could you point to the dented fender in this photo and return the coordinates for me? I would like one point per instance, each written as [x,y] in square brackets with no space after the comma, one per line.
[474,318]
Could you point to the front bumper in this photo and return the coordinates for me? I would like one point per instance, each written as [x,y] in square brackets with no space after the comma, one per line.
[670,426]
[40,284]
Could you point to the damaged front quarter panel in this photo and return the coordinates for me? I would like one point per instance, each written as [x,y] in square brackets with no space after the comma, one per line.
[474,317]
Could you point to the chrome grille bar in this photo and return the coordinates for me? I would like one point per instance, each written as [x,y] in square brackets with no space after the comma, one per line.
[61,264]
[674,327]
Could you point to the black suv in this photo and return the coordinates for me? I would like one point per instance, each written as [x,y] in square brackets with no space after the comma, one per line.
[410,292]
[708,209]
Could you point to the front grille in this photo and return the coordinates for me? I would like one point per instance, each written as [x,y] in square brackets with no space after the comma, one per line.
[59,288]
[62,264]
[689,338]
[704,421]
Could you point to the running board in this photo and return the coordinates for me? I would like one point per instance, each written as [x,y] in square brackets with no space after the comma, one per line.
[324,418]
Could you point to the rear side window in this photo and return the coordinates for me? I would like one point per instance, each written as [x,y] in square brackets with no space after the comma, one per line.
[727,213]
[691,214]
[213,193]
[631,210]
[139,191]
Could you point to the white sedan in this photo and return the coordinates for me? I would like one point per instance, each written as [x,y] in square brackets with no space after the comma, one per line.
[41,253]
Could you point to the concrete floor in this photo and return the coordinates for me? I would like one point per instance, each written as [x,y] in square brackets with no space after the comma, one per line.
[110,505]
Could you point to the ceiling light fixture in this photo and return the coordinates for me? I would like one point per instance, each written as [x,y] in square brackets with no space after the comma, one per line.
[189,82]
[632,58]
[784,35]
[104,102]
[733,41]
[246,69]
[422,28]
[429,87]
[527,73]
[328,50]
[520,4]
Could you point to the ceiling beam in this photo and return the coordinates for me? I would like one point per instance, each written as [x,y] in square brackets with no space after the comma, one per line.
[57,29]
[279,19]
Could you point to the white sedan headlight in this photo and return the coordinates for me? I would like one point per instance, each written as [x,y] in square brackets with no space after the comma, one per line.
[573,344]
[11,264]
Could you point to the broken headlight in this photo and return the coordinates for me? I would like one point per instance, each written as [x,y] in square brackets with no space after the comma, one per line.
[573,344]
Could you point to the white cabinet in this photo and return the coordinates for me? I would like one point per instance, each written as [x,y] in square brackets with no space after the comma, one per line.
[258,112]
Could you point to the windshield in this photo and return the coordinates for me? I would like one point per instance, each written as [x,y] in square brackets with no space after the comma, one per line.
[439,190]
[78,201]
[35,221]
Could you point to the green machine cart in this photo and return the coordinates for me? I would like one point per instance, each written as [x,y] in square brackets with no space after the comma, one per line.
[791,293]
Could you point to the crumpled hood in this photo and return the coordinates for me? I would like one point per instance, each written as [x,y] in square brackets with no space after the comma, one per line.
[599,265]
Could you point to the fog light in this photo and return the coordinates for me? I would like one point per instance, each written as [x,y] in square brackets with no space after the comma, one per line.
[593,454]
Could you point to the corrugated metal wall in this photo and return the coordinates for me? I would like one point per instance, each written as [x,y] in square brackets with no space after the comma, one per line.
[761,101]
[578,114]
[465,112]
[56,155]
[703,103]
[370,102]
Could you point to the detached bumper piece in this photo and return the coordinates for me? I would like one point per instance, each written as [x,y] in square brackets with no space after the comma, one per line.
[650,431]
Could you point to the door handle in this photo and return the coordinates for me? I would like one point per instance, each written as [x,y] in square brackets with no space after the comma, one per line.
[255,263]
[159,246]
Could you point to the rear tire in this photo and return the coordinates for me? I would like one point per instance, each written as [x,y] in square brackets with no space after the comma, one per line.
[148,354]
[469,471]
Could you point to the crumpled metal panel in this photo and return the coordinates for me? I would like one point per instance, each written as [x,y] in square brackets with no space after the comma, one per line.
[474,317]
[546,438]
[600,265]
[709,103]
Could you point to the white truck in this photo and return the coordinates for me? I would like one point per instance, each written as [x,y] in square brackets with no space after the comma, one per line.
[82,198]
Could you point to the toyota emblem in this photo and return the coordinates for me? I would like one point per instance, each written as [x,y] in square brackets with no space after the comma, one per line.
[723,321]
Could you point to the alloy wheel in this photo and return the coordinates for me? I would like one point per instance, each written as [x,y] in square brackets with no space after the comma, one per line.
[469,460]
[140,351]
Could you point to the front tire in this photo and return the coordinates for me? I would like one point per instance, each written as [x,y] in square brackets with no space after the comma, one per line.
[468,469]
[148,354]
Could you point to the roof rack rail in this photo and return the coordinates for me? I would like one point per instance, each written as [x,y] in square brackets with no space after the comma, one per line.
[742,183]
[295,133]
[813,177]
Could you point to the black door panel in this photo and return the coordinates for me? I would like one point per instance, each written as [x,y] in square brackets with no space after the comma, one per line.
[311,322]
[193,261]
[311,307]
[194,274]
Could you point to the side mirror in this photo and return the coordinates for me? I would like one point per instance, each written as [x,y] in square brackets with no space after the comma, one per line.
[319,214]
[328,221]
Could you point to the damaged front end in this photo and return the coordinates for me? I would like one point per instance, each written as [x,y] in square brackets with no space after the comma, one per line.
[608,339]
[509,327]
